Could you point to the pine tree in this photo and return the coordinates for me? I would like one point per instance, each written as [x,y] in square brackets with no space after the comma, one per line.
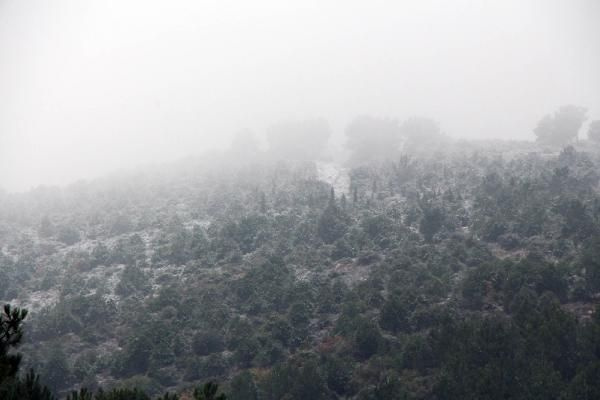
[209,392]
[11,333]
[243,387]
[11,386]
[333,221]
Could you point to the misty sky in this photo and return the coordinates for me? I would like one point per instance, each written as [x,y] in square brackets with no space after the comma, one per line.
[87,87]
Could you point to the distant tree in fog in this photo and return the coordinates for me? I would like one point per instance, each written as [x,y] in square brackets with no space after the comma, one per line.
[46,228]
[594,131]
[372,139]
[420,132]
[299,140]
[68,235]
[561,127]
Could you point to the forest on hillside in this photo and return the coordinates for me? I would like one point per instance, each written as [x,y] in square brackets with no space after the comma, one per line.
[422,267]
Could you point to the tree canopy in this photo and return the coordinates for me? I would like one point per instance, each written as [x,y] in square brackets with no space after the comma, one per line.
[562,126]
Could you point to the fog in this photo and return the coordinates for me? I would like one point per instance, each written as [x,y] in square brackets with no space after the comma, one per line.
[91,87]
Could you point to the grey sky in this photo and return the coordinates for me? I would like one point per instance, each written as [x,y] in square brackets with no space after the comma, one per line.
[87,87]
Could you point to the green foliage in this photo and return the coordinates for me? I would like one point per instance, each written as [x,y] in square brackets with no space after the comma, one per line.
[82,394]
[265,286]
[208,391]
[68,235]
[333,222]
[431,222]
[459,275]
[135,357]
[532,356]
[585,384]
[243,387]
[11,333]
[296,381]
[55,372]
[388,388]
[27,388]
[122,394]
[117,394]
[417,354]
[133,280]
[368,339]
[338,374]
[74,314]
[394,315]
[250,232]
[127,250]
[205,343]
[590,261]
[12,387]
[46,228]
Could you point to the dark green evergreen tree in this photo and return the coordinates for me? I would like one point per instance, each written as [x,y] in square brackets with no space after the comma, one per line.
[208,391]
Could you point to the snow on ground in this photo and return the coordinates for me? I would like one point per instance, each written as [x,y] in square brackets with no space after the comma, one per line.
[37,300]
[111,276]
[334,174]
[171,270]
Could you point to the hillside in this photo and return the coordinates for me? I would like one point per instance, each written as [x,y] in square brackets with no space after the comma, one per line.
[465,274]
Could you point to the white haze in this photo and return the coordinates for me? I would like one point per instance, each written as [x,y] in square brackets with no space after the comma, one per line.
[87,87]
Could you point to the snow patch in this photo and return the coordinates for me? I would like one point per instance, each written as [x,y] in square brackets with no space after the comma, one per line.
[335,175]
